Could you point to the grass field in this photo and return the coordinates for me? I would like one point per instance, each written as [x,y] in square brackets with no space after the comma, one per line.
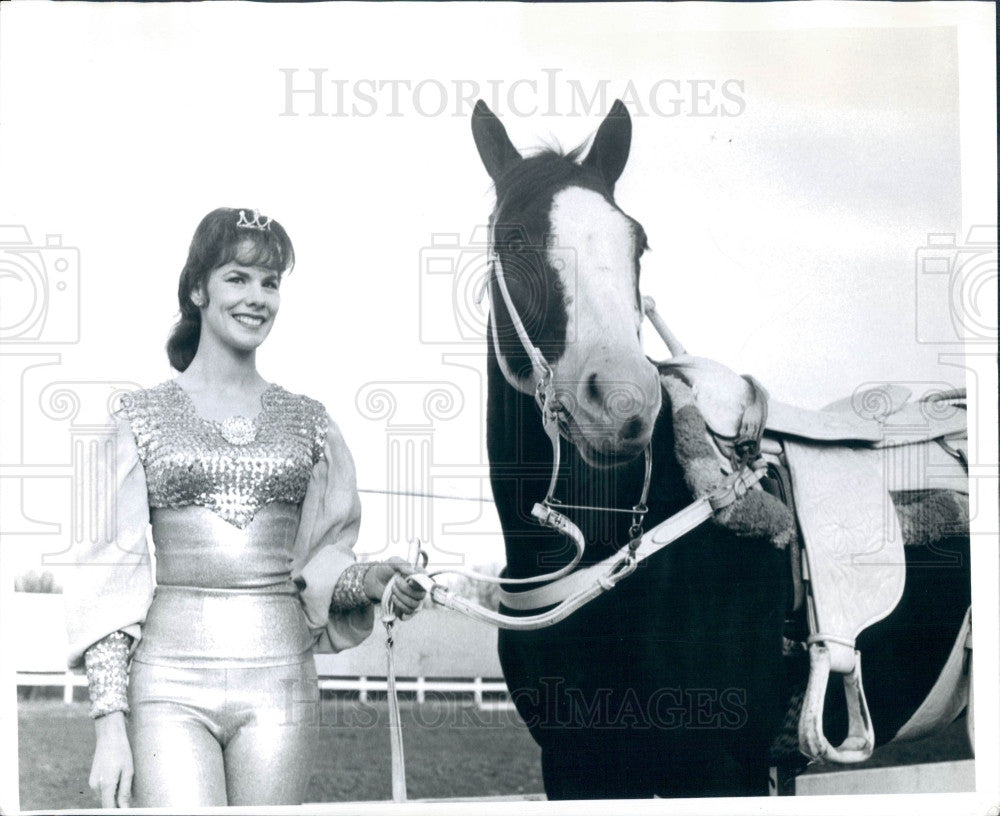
[452,750]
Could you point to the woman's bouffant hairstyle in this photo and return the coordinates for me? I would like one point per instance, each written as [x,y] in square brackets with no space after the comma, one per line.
[224,235]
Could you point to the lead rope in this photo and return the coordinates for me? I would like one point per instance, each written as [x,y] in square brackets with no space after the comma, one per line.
[395,724]
[389,617]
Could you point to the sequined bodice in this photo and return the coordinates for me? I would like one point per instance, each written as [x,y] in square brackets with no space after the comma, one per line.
[189,460]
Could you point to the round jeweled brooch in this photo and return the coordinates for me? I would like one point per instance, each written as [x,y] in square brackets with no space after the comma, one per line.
[238,430]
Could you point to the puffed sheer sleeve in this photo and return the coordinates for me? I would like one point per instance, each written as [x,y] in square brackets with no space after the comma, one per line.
[324,546]
[111,585]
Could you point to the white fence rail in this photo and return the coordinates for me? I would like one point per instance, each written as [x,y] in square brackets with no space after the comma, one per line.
[437,652]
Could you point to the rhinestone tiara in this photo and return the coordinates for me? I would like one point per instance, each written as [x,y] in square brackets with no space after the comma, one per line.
[259,222]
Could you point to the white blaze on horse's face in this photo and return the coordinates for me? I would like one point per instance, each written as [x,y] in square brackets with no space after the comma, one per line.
[603,379]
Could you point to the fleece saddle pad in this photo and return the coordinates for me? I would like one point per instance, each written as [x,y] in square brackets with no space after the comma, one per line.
[853,544]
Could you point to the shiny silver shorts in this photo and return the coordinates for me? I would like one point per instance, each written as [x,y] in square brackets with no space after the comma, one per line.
[222,736]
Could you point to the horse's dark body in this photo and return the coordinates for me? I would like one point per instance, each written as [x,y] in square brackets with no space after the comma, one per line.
[665,685]
[673,683]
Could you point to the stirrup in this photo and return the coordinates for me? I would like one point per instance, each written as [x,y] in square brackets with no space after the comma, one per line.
[860,740]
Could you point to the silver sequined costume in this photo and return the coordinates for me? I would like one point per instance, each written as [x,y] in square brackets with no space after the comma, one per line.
[107,680]
[253,533]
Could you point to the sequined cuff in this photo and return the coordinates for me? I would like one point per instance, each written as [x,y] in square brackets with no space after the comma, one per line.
[107,674]
[349,591]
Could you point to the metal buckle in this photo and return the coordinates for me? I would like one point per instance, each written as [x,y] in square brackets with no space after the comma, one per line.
[543,388]
[744,452]
[635,531]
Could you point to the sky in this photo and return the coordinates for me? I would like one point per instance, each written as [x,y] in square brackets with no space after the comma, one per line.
[787,179]
[788,164]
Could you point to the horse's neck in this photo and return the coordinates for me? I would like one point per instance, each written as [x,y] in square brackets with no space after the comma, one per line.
[515,439]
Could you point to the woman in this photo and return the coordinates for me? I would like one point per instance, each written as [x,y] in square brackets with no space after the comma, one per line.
[252,498]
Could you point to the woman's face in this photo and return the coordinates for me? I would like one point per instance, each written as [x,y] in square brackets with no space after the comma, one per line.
[238,305]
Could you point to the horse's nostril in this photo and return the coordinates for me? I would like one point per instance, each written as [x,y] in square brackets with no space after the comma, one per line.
[632,429]
[593,389]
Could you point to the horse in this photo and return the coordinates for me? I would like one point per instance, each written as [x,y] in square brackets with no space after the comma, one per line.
[673,683]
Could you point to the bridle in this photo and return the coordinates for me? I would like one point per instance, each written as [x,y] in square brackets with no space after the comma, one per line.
[554,416]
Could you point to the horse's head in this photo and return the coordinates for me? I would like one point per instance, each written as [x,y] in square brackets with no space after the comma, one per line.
[570,260]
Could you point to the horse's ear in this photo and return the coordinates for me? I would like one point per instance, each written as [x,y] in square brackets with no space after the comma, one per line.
[611,145]
[495,147]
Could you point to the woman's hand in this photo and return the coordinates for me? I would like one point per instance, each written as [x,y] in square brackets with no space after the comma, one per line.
[406,596]
[111,773]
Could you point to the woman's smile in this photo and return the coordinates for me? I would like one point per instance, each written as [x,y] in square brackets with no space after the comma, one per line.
[249,320]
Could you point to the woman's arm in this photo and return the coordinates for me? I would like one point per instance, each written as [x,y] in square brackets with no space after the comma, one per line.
[112,769]
[107,597]
[337,592]
[324,547]
[364,584]
[107,674]
[111,587]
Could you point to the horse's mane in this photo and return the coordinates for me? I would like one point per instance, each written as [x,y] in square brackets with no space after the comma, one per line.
[553,148]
